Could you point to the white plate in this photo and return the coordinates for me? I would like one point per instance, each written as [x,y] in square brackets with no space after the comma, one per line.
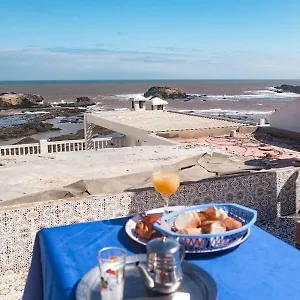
[131,223]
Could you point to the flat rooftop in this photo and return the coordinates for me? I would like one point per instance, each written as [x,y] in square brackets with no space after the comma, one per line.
[164,121]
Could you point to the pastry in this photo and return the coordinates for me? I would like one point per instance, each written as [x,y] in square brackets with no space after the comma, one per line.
[144,227]
[203,216]
[232,224]
[212,213]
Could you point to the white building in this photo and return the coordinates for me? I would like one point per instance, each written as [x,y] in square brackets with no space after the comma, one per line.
[138,103]
[286,120]
[158,104]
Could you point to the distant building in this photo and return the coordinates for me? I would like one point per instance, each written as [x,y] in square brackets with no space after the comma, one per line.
[138,103]
[158,104]
[285,121]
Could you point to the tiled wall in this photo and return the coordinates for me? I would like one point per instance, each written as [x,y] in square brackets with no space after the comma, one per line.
[270,193]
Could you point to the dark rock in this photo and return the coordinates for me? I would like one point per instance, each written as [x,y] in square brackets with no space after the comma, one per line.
[16,100]
[84,101]
[26,140]
[26,129]
[288,88]
[165,93]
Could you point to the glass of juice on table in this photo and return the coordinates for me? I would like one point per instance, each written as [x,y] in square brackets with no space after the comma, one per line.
[166,181]
[112,261]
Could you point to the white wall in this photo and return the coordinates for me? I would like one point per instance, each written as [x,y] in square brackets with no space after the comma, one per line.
[287,118]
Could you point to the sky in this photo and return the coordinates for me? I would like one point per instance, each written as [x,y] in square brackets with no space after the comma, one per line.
[142,39]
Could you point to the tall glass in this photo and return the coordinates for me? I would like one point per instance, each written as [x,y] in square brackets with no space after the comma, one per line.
[166,181]
[112,261]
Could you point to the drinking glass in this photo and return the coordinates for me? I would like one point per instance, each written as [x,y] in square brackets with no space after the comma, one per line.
[166,181]
[112,262]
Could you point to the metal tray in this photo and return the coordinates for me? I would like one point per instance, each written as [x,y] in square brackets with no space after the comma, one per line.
[197,283]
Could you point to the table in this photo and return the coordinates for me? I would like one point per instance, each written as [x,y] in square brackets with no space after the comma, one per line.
[263,267]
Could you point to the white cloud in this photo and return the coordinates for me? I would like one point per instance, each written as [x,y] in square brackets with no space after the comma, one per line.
[103,63]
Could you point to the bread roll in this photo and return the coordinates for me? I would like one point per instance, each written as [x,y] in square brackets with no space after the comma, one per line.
[232,224]
[189,219]
[222,215]
[212,213]
[203,216]
[213,227]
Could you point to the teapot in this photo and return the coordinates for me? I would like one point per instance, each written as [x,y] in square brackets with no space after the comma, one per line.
[163,272]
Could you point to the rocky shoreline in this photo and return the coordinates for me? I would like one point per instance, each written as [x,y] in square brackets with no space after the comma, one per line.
[26,129]
[36,113]
[36,122]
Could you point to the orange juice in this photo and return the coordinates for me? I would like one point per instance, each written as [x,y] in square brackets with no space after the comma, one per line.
[166,182]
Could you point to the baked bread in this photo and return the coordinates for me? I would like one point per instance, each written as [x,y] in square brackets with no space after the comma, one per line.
[222,215]
[213,227]
[144,227]
[232,224]
[189,219]
[212,213]
[203,216]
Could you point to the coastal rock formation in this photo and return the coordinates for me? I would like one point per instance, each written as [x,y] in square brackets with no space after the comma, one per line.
[26,140]
[26,129]
[288,88]
[84,101]
[16,100]
[165,92]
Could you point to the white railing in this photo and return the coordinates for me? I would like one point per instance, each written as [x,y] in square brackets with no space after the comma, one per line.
[44,147]
[66,146]
[22,149]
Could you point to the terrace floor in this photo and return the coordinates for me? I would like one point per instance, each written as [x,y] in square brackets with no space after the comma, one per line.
[164,121]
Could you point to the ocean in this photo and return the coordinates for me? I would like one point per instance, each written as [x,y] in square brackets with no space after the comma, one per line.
[250,99]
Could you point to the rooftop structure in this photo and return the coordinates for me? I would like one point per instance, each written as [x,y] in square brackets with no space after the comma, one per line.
[149,127]
[158,104]
[158,101]
[138,103]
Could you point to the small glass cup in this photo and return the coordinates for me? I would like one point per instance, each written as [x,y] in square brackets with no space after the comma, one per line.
[112,262]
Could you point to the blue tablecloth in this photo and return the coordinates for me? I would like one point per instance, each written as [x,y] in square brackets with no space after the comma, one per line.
[263,267]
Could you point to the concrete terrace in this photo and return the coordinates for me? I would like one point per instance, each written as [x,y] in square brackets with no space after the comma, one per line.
[163,121]
[160,127]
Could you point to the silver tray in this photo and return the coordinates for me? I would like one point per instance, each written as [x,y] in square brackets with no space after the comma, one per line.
[196,282]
